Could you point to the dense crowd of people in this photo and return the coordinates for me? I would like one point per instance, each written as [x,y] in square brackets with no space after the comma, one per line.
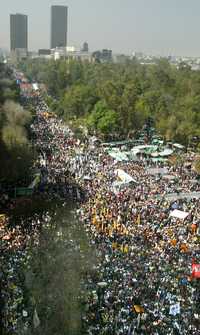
[142,282]
[16,240]
[145,254]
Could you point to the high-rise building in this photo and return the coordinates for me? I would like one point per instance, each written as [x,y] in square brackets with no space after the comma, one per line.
[18,32]
[85,47]
[103,56]
[59,26]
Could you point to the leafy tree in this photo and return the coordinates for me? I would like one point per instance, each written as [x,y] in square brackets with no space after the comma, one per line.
[103,120]
[78,101]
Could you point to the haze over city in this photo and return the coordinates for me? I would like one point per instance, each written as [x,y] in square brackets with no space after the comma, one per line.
[155,27]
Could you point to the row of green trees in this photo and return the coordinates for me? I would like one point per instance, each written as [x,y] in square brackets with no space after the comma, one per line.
[16,155]
[118,98]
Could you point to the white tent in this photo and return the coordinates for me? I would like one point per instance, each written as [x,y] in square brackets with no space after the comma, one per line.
[179,214]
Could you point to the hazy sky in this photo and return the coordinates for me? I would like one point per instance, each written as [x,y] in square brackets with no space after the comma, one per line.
[152,26]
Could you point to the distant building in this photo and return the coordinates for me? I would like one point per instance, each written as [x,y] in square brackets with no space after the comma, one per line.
[103,56]
[44,52]
[59,21]
[138,55]
[72,52]
[80,56]
[85,47]
[106,55]
[121,59]
[59,53]
[19,34]
[71,49]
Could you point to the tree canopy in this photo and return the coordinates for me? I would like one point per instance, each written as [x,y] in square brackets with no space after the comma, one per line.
[128,94]
[16,155]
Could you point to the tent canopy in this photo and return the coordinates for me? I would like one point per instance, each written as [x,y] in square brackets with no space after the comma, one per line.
[179,214]
[118,155]
[166,152]
[178,146]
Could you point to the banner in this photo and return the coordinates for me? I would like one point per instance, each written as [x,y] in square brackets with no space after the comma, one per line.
[196,270]
[23,191]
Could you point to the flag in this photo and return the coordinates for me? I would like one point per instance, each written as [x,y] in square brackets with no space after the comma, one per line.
[195,270]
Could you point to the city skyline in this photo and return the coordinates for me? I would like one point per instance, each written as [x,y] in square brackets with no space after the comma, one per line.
[154,27]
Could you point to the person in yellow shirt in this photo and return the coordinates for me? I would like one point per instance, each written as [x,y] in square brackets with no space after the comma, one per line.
[126,248]
[114,245]
[122,248]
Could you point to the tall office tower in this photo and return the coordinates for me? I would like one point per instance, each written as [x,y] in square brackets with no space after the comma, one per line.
[18,32]
[85,47]
[59,26]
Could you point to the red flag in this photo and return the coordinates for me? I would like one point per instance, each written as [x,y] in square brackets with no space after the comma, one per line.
[195,270]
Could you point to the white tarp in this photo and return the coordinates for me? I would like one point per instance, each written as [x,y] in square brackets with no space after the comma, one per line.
[178,214]
[35,86]
[118,155]
[166,152]
[135,150]
[155,154]
[124,177]
[169,177]
[154,171]
[178,146]
[143,149]
[88,178]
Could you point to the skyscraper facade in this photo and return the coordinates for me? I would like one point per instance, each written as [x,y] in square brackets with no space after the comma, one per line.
[18,32]
[59,18]
[85,47]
